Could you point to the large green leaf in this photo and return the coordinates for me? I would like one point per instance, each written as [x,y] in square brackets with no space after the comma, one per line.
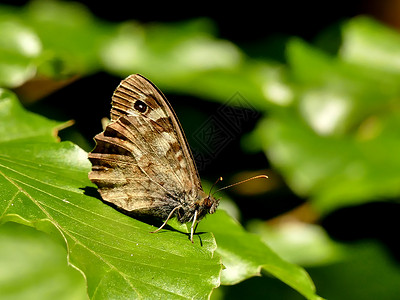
[44,184]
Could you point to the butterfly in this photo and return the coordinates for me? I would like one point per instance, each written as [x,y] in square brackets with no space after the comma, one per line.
[142,162]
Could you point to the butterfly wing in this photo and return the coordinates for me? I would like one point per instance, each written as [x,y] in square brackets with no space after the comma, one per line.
[142,162]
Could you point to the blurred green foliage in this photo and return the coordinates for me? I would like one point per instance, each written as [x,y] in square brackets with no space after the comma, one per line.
[335,141]
[330,125]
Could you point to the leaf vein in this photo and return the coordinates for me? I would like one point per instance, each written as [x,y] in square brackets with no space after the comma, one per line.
[9,204]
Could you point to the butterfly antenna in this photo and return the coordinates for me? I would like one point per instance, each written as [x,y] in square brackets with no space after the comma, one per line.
[240,182]
[215,183]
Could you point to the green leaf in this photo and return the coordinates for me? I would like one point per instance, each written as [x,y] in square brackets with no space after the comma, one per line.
[71,36]
[33,127]
[366,42]
[368,272]
[33,266]
[244,255]
[19,49]
[44,184]
[308,245]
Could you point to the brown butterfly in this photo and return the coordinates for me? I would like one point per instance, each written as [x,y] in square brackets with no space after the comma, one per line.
[142,162]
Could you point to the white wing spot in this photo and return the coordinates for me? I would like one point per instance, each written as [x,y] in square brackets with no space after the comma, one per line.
[179,157]
[156,114]
[164,143]
[179,153]
[169,137]
[183,164]
[132,112]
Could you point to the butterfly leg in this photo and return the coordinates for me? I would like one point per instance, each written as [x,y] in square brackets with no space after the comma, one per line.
[169,217]
[192,229]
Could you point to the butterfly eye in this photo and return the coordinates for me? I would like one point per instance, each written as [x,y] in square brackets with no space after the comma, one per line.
[140,106]
[207,202]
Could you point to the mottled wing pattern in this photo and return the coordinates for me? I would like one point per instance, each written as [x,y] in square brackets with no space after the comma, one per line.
[142,162]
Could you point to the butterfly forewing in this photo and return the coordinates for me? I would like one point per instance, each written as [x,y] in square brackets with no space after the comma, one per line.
[142,162]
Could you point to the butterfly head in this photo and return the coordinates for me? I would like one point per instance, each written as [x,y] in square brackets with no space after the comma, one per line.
[203,204]
[208,204]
